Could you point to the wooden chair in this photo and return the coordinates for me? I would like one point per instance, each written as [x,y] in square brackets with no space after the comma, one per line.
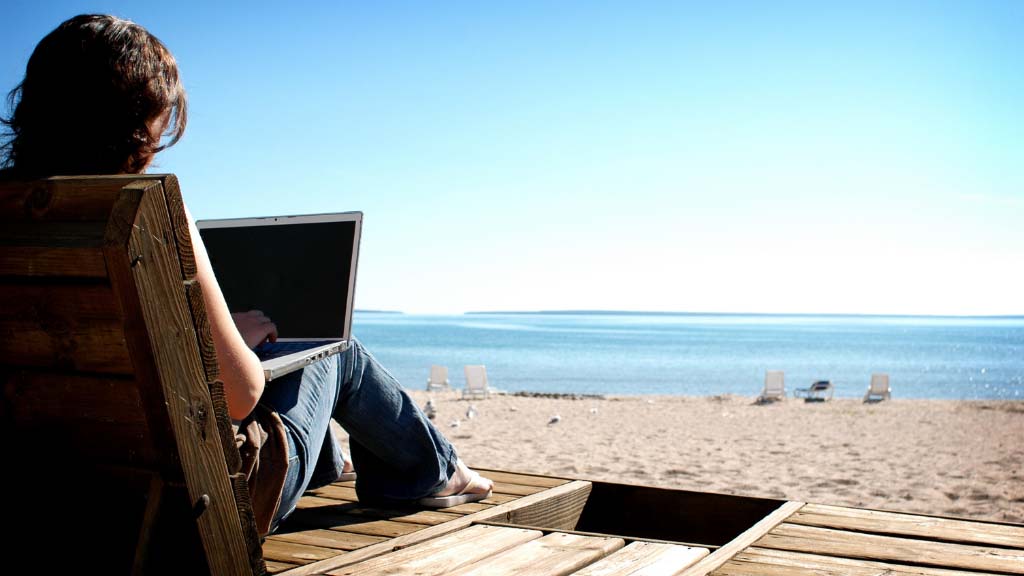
[119,452]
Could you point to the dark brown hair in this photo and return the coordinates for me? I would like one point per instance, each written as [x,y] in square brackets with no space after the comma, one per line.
[91,89]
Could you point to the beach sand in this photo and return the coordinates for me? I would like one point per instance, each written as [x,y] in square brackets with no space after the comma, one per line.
[951,458]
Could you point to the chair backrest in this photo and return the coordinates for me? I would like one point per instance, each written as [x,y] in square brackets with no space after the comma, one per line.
[111,402]
[476,377]
[438,377]
[774,383]
[879,384]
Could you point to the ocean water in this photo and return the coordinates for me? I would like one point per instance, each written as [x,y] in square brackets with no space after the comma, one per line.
[681,354]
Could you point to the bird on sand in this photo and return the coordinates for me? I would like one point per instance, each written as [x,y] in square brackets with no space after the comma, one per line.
[554,420]
[471,412]
[455,423]
[430,410]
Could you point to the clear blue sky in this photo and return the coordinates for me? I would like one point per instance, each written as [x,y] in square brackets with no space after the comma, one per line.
[731,156]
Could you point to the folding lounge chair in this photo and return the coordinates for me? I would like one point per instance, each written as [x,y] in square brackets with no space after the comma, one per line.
[879,388]
[476,382]
[774,387]
[819,391]
[438,378]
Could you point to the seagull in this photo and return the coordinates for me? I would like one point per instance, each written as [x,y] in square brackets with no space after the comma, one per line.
[430,410]
[471,412]
[455,423]
[593,410]
[554,420]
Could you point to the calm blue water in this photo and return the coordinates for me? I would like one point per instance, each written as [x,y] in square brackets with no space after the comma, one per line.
[953,358]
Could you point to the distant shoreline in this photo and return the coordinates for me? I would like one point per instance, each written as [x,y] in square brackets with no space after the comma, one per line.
[701,314]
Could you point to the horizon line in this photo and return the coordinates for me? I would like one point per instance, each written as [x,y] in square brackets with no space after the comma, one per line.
[684,313]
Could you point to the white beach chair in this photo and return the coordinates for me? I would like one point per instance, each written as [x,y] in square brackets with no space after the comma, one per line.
[438,379]
[774,387]
[879,388]
[476,381]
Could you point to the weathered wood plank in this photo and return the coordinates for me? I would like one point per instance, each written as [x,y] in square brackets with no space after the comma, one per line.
[559,512]
[468,508]
[57,200]
[714,560]
[831,542]
[281,551]
[388,528]
[45,261]
[413,515]
[892,523]
[329,539]
[499,498]
[146,275]
[521,479]
[197,306]
[443,555]
[765,562]
[402,542]
[516,489]
[556,554]
[646,559]
[97,346]
[278,567]
[96,419]
[336,492]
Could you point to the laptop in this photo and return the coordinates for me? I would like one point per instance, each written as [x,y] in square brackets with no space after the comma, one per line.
[299,270]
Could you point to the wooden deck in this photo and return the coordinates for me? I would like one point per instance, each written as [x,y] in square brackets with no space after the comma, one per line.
[539,525]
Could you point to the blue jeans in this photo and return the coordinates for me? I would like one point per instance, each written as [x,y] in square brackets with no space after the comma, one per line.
[397,452]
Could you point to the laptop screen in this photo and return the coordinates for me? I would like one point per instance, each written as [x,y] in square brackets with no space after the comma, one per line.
[299,270]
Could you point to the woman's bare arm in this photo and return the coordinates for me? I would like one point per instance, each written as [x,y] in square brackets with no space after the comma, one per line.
[240,369]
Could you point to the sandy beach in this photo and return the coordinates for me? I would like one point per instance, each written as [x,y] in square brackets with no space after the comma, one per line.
[953,458]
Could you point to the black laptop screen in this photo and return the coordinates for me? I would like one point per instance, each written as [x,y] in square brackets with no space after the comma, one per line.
[297,274]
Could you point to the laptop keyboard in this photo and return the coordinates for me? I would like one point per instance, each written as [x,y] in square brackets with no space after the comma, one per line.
[269,350]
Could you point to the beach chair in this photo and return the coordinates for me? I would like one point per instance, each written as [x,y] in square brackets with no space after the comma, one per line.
[476,382]
[879,388]
[438,379]
[820,391]
[774,387]
[119,452]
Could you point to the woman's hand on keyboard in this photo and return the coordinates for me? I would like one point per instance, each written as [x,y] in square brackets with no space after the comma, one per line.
[255,327]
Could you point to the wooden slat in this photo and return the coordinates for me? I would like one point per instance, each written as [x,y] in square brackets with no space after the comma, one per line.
[386,528]
[42,261]
[468,508]
[891,523]
[414,515]
[712,561]
[336,492]
[830,542]
[516,489]
[274,567]
[53,200]
[542,499]
[558,513]
[280,551]
[196,305]
[646,559]
[162,344]
[443,555]
[556,554]
[765,562]
[329,539]
[521,479]
[97,419]
[65,326]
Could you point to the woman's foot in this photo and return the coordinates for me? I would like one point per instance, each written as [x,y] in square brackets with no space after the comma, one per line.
[464,486]
[348,473]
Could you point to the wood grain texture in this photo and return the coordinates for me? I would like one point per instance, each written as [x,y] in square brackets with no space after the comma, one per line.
[646,559]
[522,479]
[712,561]
[892,523]
[438,530]
[164,336]
[281,551]
[556,554]
[412,515]
[443,555]
[95,419]
[558,512]
[56,200]
[841,543]
[274,567]
[97,346]
[329,539]
[204,338]
[46,261]
[765,562]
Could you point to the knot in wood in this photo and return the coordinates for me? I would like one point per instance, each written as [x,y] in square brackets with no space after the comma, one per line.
[201,505]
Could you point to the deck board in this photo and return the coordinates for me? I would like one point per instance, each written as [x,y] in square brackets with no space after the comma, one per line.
[329,539]
[831,542]
[894,523]
[646,559]
[766,562]
[293,553]
[274,567]
[556,554]
[443,555]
